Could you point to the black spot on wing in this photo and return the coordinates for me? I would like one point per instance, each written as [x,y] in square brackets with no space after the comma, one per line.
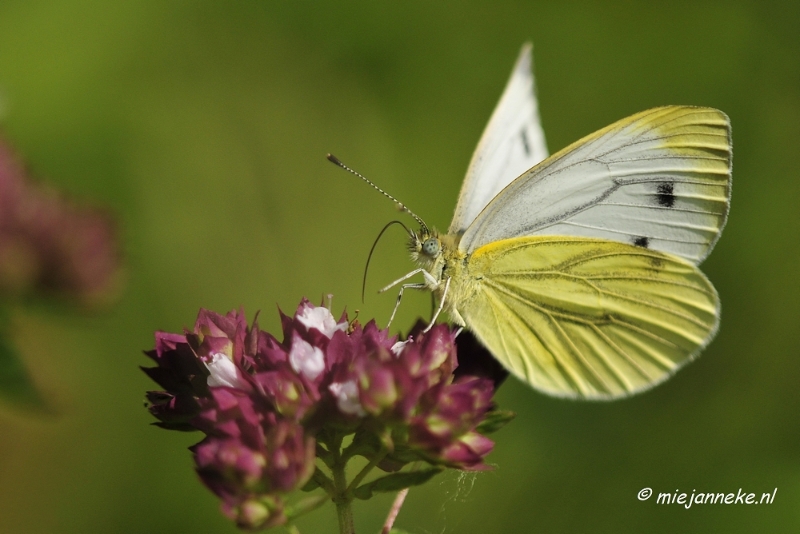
[665,195]
[525,145]
[656,262]
[641,242]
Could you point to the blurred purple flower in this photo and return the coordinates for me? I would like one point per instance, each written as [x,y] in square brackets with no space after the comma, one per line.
[51,245]
[268,408]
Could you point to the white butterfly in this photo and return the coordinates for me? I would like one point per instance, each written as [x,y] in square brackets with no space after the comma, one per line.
[578,271]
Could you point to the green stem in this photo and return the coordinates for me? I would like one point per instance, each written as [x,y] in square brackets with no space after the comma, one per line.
[343,501]
[341,497]
[325,482]
[364,472]
[306,505]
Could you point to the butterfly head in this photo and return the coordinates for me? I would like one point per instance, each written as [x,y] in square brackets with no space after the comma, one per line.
[425,247]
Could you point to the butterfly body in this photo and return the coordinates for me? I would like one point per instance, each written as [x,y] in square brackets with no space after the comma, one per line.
[443,260]
[579,271]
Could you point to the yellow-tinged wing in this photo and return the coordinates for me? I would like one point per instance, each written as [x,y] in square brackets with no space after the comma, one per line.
[585,317]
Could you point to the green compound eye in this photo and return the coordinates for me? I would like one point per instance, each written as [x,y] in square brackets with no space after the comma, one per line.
[431,247]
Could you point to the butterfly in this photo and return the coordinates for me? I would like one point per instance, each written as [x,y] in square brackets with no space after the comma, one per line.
[578,271]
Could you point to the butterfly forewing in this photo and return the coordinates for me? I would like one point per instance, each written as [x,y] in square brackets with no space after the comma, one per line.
[512,143]
[583,317]
[659,179]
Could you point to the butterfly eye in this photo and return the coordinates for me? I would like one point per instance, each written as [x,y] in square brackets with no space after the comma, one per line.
[431,247]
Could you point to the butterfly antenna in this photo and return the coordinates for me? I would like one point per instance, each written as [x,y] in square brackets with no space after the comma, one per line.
[374,244]
[333,159]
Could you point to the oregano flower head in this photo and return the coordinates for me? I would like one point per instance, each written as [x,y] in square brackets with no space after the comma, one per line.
[270,409]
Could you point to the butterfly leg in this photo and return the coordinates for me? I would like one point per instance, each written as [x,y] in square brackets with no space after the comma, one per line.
[400,297]
[430,281]
[441,305]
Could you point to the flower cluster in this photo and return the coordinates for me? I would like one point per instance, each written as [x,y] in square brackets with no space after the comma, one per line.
[50,245]
[270,408]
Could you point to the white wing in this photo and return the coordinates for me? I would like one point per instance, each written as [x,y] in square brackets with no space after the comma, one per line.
[658,179]
[512,143]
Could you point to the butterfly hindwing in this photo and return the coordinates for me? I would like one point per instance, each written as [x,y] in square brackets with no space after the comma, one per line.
[512,143]
[659,179]
[583,317]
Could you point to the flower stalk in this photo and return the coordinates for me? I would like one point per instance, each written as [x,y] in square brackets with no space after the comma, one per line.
[394,510]
[341,498]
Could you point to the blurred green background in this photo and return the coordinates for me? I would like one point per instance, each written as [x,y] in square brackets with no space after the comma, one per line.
[205,125]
